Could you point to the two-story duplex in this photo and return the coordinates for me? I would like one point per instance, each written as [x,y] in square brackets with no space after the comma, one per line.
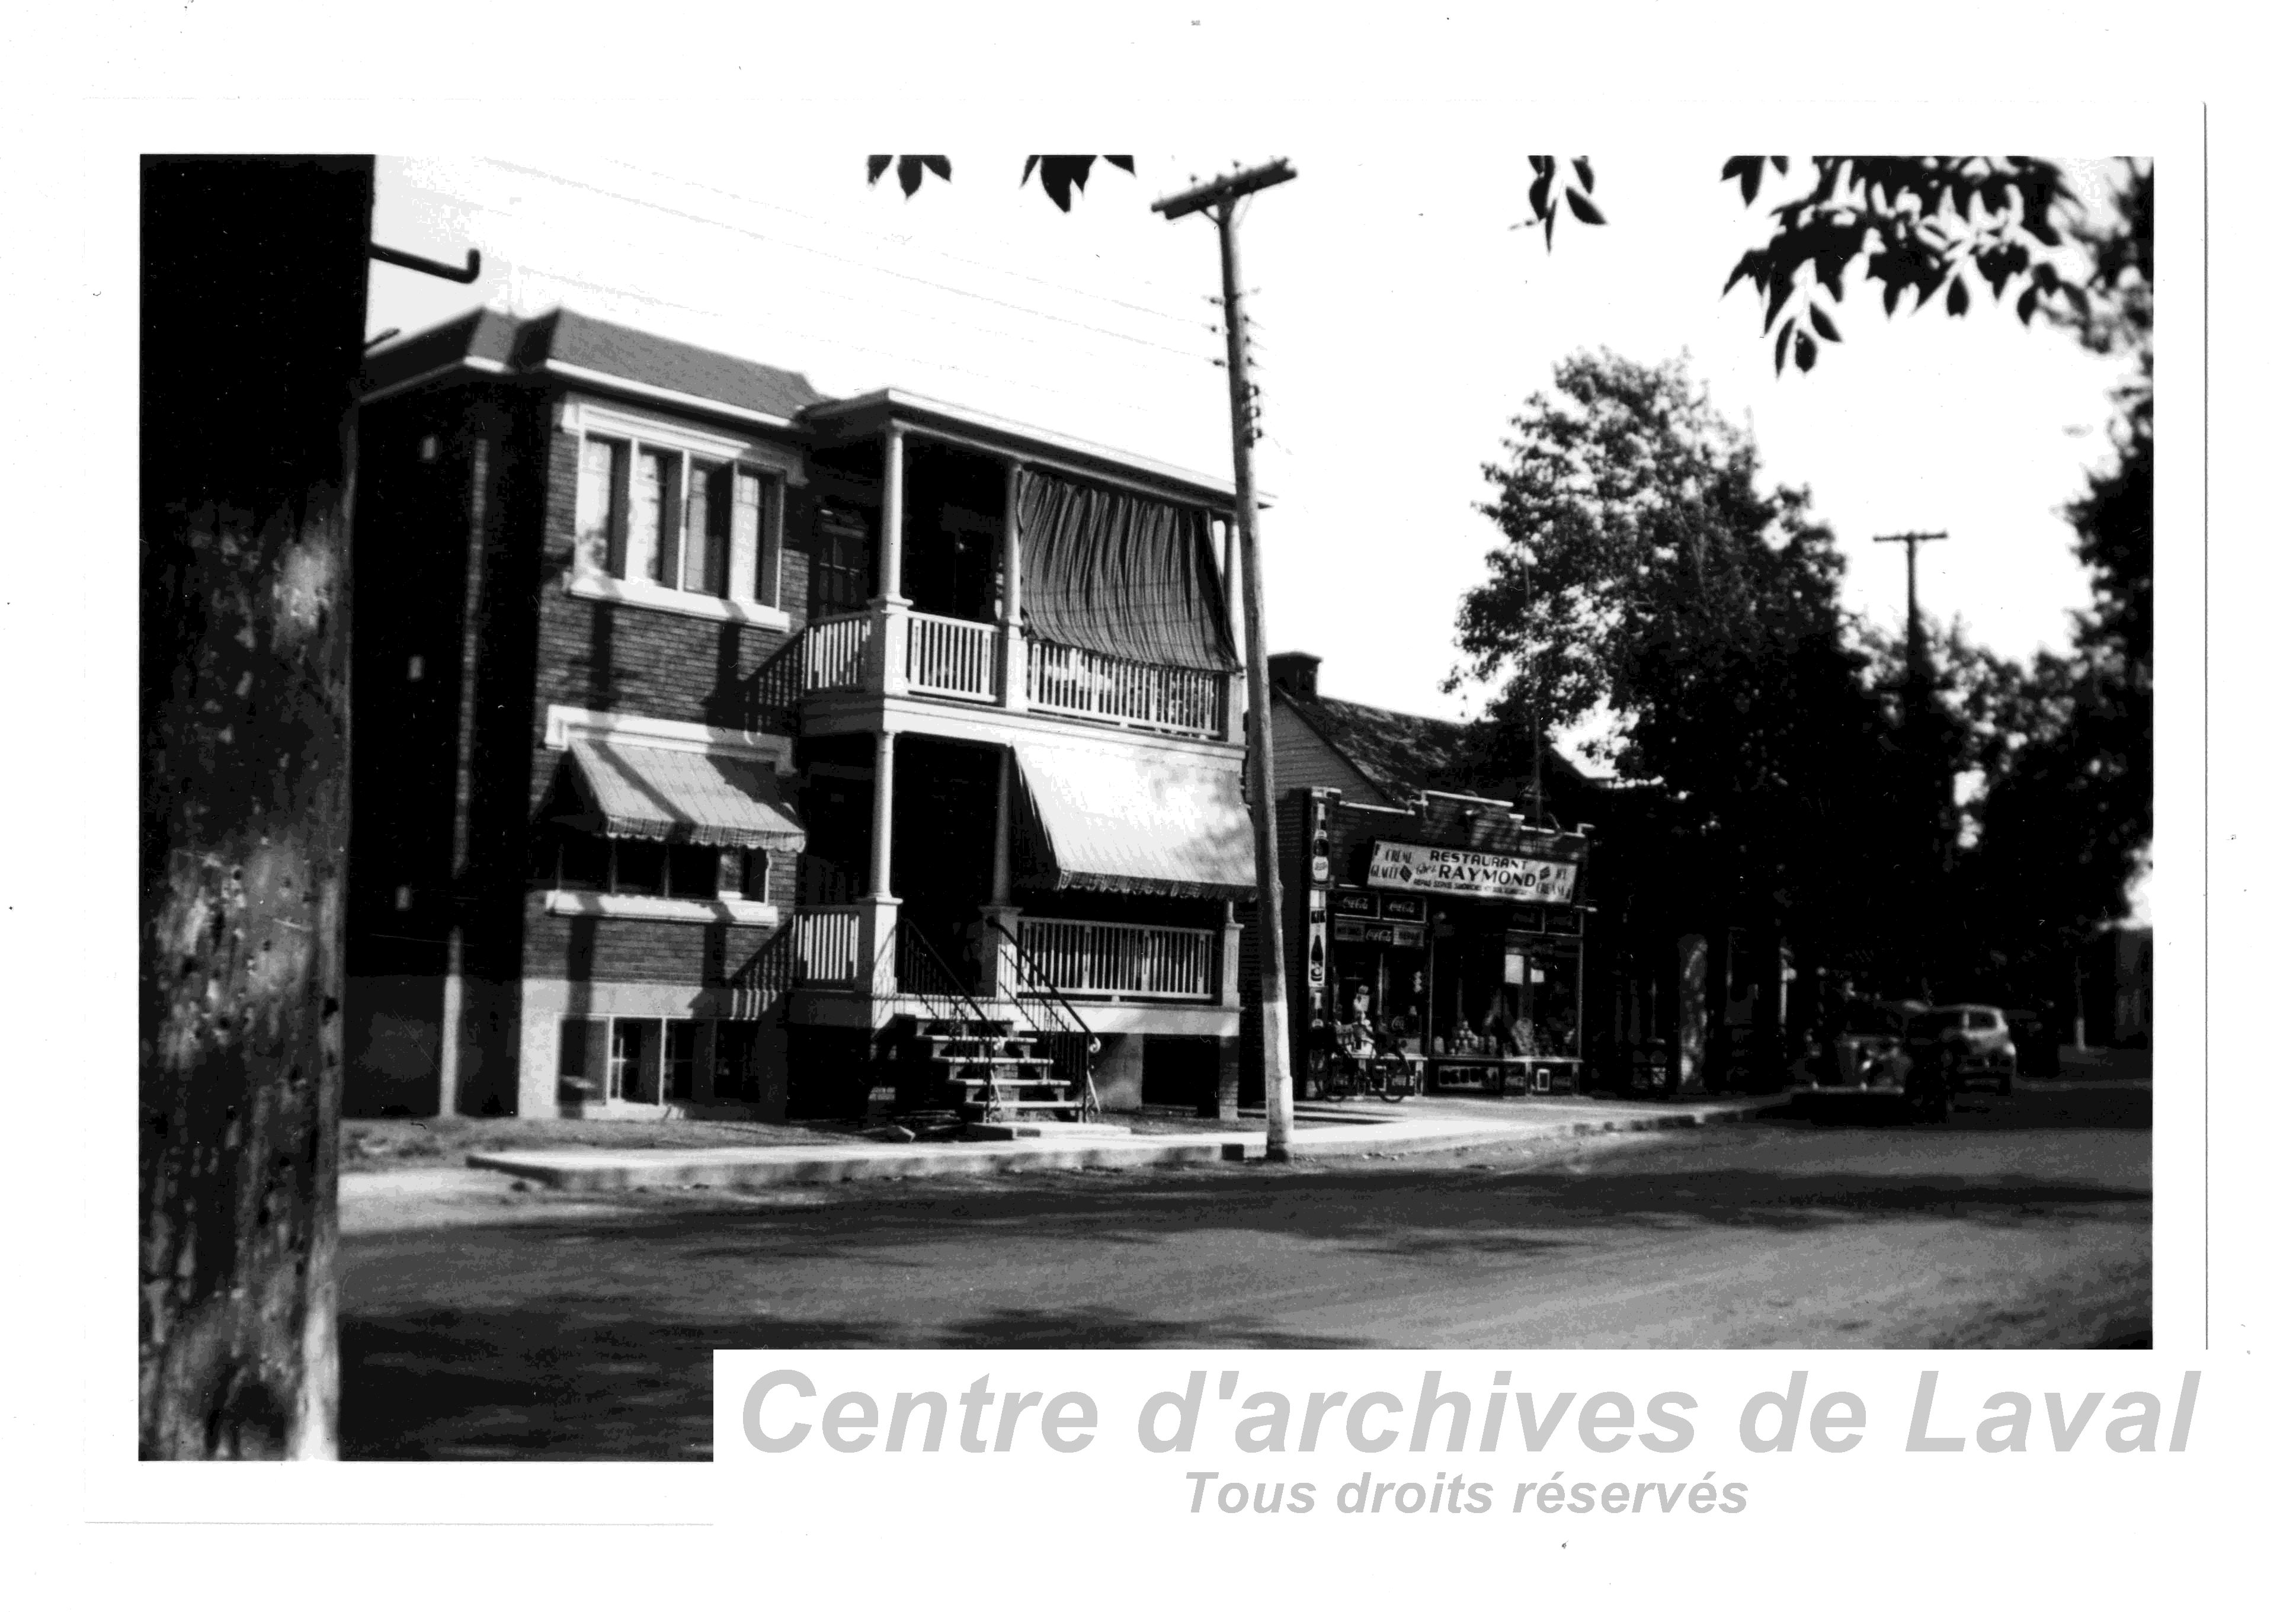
[712,735]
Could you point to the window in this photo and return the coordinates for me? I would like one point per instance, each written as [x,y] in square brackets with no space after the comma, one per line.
[632,1061]
[649,867]
[651,1061]
[666,518]
[679,1043]
[843,561]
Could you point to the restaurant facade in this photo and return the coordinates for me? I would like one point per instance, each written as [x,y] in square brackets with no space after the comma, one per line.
[1435,919]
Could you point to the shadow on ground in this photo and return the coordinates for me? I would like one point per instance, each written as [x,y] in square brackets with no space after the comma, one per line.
[536,1340]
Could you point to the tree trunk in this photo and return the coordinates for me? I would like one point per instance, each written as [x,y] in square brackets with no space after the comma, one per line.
[254,304]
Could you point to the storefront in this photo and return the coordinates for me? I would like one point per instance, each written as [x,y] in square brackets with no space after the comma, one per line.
[1453,933]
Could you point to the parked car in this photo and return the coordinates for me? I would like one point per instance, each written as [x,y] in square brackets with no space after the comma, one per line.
[1866,1058]
[1957,1046]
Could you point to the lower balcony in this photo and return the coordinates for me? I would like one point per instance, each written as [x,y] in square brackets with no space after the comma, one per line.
[1060,957]
[860,964]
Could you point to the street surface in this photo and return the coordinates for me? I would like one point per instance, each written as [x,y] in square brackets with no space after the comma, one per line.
[559,1325]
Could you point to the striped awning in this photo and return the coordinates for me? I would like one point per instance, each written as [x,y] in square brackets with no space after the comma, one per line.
[1138,821]
[638,792]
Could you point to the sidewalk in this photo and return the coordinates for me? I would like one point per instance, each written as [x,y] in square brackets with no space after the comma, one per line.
[1318,1133]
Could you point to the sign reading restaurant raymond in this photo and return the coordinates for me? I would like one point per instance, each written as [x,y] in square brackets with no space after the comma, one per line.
[1479,874]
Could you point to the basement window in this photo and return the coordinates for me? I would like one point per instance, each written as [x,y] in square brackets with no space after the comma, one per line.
[649,1061]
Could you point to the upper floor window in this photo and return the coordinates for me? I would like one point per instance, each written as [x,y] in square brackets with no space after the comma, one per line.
[670,517]
[679,516]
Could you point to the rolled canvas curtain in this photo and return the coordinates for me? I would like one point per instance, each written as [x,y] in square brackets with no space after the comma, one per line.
[1124,576]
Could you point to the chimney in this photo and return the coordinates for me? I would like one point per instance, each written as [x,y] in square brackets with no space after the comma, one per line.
[1294,672]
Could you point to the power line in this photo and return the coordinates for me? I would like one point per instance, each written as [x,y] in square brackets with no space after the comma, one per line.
[737,229]
[994,268]
[1136,361]
[557,277]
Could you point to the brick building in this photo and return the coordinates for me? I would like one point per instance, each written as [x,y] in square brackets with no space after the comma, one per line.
[712,733]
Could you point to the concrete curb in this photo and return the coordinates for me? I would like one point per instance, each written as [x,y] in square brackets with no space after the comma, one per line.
[602,1169]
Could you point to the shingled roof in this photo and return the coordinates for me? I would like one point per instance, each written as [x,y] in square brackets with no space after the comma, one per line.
[1402,754]
[499,343]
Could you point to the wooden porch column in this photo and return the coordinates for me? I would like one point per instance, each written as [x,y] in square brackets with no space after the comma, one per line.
[999,968]
[1000,856]
[881,909]
[1016,643]
[888,524]
[889,649]
[880,821]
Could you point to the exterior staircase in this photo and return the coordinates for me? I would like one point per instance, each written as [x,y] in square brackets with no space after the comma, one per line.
[994,1073]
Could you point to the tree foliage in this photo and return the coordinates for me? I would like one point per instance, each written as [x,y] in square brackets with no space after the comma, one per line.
[1060,176]
[1918,224]
[1546,206]
[2067,813]
[1645,572]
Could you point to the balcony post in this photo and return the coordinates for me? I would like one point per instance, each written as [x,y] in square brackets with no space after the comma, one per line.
[888,659]
[1230,958]
[1000,974]
[881,910]
[880,821]
[1016,692]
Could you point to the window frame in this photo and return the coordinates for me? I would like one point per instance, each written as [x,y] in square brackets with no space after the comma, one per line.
[720,1053]
[747,903]
[756,598]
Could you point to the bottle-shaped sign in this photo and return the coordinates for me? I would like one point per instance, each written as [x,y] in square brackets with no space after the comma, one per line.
[1319,855]
[1316,957]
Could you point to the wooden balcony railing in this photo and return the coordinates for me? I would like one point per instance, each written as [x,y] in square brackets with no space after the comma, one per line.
[952,657]
[1083,959]
[956,659]
[1085,682]
[837,653]
[828,946]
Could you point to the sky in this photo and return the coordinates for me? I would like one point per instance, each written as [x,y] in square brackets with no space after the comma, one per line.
[1400,319]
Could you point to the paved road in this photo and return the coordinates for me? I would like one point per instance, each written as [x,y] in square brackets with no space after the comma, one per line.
[567,1327]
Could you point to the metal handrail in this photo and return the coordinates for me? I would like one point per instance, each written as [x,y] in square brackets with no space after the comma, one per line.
[913,940]
[1048,990]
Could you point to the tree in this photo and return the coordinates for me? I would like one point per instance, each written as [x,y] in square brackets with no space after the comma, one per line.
[254,305]
[2066,816]
[1644,572]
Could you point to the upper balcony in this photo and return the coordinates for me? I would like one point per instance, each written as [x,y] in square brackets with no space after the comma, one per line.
[979,567]
[892,649]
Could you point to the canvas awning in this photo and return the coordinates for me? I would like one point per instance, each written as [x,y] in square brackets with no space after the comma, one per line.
[637,793]
[1137,821]
[1122,575]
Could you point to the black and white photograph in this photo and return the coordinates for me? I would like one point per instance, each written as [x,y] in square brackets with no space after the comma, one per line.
[1424,797]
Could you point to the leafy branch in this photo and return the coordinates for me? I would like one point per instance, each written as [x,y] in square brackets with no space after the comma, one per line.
[1062,176]
[1918,224]
[1545,207]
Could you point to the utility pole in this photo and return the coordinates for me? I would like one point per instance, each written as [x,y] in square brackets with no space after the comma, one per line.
[1218,200]
[1917,664]
[1921,729]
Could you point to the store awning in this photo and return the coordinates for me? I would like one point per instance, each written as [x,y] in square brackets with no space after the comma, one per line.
[1135,821]
[637,793]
